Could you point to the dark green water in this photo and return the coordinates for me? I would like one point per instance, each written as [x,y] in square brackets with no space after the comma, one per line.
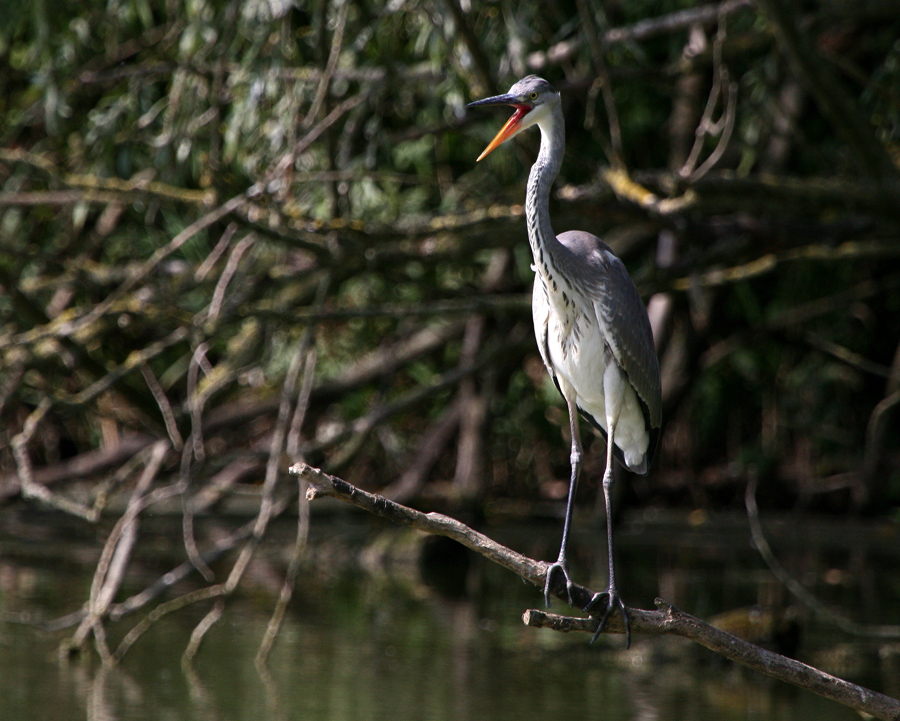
[382,641]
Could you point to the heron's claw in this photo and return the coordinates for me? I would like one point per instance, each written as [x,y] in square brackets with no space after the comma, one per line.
[552,571]
[611,599]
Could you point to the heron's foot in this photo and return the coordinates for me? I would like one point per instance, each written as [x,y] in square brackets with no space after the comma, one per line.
[611,600]
[553,571]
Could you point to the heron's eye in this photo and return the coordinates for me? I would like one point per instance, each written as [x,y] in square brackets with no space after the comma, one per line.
[533,96]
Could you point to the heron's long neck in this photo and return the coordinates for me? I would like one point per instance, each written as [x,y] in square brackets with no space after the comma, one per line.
[537,197]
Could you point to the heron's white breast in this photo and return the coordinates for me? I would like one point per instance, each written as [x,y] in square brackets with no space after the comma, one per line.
[577,354]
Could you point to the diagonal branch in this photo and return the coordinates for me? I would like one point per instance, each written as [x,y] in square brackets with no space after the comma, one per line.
[322,484]
[665,620]
[669,620]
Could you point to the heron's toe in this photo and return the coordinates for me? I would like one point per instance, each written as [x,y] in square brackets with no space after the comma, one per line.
[554,570]
[609,600]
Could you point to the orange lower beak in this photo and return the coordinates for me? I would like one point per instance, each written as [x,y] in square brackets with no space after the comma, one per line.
[507,131]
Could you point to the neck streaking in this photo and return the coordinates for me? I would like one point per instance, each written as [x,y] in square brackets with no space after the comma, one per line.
[537,197]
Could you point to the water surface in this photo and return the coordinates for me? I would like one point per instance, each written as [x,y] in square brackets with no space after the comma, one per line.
[381,639]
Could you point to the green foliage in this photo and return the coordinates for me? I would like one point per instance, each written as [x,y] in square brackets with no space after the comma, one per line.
[125,124]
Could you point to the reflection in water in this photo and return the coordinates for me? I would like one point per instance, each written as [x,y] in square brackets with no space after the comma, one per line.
[400,641]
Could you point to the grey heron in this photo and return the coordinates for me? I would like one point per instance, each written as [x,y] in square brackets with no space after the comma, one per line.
[591,327]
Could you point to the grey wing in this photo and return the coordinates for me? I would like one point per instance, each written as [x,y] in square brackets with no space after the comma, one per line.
[621,315]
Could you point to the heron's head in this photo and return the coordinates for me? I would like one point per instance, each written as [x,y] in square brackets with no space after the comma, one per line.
[534,100]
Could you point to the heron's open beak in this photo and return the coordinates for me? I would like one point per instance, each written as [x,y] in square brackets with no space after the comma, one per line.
[513,125]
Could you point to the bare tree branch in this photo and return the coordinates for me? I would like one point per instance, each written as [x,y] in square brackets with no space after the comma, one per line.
[322,484]
[668,620]
[722,85]
[645,29]
[31,488]
[665,620]
[81,466]
[117,552]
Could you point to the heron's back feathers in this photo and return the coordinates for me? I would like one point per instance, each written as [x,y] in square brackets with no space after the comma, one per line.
[621,314]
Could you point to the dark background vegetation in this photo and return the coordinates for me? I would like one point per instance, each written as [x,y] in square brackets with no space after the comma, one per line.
[204,202]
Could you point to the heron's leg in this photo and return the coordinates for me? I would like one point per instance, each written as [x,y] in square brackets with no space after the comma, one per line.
[610,597]
[562,565]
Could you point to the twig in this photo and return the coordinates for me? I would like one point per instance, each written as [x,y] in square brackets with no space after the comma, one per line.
[851,358]
[337,41]
[85,464]
[100,642]
[162,610]
[316,131]
[645,29]
[221,246]
[877,431]
[31,488]
[666,620]
[798,316]
[183,570]
[114,559]
[290,579]
[497,302]
[380,363]
[472,414]
[215,613]
[726,192]
[223,481]
[65,326]
[134,603]
[135,359]
[767,263]
[165,408]
[679,20]
[426,453]
[386,360]
[472,404]
[796,589]
[707,126]
[602,84]
[624,186]
[193,449]
[116,553]
[292,444]
[353,434]
[268,504]
[91,188]
[234,259]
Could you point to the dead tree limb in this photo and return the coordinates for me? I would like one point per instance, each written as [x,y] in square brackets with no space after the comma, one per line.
[669,620]
[666,620]
[322,484]
[645,29]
